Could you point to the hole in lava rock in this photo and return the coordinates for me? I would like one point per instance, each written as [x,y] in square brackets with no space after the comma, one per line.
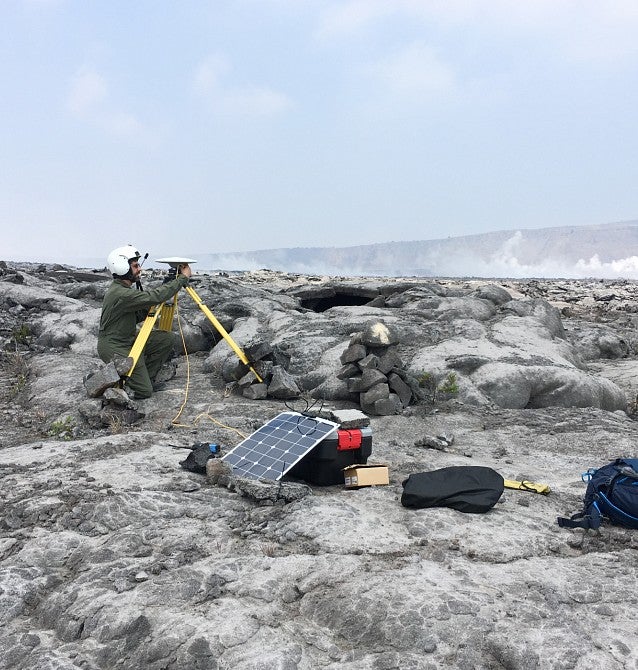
[338,299]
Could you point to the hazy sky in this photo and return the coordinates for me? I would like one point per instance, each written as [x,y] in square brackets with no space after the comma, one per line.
[233,125]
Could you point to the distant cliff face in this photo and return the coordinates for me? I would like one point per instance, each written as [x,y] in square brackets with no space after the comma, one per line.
[606,251]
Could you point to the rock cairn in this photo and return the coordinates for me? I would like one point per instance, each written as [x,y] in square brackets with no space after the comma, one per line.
[373,369]
[270,364]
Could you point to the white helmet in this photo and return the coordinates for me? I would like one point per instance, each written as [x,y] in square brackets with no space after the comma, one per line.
[117,261]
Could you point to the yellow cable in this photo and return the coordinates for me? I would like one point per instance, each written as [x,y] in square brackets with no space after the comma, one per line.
[210,418]
[174,422]
[219,423]
[188,371]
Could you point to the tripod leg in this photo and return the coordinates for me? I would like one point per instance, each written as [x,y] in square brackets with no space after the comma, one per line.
[221,330]
[143,335]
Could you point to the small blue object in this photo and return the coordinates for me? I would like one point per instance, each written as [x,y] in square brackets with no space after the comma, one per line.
[214,448]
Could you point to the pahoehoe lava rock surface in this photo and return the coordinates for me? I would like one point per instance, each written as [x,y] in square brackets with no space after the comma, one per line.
[113,556]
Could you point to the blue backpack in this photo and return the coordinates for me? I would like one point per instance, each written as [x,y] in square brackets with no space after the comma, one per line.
[612,492]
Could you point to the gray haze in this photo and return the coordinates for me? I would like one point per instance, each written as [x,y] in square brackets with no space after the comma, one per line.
[605,251]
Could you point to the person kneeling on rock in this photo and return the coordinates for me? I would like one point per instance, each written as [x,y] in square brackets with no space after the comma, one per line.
[123,307]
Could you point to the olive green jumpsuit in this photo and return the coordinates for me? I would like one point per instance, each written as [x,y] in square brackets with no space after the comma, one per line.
[122,308]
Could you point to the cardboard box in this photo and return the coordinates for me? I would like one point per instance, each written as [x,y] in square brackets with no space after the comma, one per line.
[368,474]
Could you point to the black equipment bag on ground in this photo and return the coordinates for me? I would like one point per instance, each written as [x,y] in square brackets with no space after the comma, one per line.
[199,456]
[466,488]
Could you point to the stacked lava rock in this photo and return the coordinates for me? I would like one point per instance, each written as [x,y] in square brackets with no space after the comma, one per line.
[270,364]
[373,369]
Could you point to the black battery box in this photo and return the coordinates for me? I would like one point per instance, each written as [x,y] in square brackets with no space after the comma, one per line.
[324,464]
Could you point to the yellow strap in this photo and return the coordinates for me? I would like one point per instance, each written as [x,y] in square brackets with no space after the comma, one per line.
[527,486]
[222,331]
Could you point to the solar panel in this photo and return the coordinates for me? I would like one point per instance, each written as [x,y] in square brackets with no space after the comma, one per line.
[275,447]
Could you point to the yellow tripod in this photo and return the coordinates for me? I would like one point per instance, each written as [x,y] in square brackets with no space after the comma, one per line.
[165,312]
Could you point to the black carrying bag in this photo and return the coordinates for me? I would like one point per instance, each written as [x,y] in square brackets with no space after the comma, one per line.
[466,488]
[200,455]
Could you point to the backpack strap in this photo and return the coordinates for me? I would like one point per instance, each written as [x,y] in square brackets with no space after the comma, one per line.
[589,518]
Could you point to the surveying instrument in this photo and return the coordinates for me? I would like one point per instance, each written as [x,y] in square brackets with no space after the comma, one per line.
[163,313]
